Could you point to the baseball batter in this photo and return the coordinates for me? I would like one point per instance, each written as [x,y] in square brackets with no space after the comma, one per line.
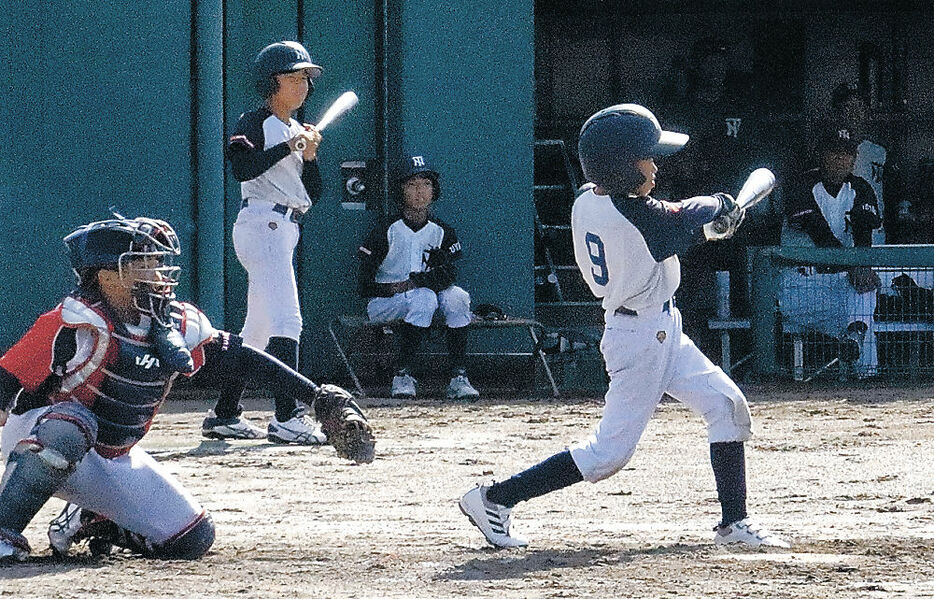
[279,182]
[82,386]
[626,245]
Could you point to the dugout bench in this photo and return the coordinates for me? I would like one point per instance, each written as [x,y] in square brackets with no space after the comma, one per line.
[343,327]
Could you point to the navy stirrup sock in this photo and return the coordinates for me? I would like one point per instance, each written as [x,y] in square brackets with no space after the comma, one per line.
[555,473]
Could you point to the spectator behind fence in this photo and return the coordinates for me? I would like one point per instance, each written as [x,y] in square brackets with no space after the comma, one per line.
[829,207]
[407,271]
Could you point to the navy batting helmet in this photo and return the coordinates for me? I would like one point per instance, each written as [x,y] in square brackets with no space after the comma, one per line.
[150,245]
[416,164]
[618,136]
[282,57]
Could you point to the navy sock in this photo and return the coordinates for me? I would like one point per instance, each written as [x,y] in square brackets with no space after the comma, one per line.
[729,470]
[555,473]
[285,350]
[457,349]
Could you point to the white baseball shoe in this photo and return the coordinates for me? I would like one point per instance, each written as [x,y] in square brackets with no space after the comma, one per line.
[300,430]
[403,386]
[64,528]
[237,427]
[746,532]
[460,389]
[13,547]
[492,519]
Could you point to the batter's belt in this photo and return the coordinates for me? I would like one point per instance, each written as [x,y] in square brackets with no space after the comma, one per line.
[293,214]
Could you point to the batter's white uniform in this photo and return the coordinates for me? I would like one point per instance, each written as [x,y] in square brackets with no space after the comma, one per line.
[277,187]
[646,353]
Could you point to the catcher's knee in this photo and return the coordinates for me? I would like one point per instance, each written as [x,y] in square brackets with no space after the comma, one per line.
[65,433]
[730,419]
[191,544]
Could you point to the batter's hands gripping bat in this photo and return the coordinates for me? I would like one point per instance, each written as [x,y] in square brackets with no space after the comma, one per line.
[342,104]
[758,185]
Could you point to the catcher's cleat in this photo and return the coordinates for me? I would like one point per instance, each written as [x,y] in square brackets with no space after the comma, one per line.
[300,430]
[75,525]
[493,520]
[237,427]
[746,532]
[13,547]
[403,385]
[460,389]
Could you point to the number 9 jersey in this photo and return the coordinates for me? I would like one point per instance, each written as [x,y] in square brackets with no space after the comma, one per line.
[619,263]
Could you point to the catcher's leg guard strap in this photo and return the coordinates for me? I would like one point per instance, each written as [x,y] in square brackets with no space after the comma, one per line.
[41,462]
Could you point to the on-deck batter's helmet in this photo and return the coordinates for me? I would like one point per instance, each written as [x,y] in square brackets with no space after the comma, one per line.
[282,57]
[416,164]
[616,137]
[150,245]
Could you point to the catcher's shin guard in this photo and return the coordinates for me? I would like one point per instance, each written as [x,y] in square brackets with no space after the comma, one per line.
[190,544]
[41,462]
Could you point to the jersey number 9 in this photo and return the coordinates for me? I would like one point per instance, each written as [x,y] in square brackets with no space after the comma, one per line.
[601,276]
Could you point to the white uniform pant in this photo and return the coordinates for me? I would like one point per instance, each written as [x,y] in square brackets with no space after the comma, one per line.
[828,303]
[133,490]
[647,356]
[417,307]
[265,244]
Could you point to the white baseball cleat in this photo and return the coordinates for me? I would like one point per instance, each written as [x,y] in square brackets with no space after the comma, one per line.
[461,389]
[403,386]
[64,528]
[237,427]
[746,532]
[492,519]
[300,430]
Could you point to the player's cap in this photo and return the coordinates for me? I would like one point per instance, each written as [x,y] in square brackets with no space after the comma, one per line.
[411,165]
[285,57]
[838,140]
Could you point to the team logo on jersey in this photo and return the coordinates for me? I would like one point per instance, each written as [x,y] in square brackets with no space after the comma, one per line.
[147,361]
[732,126]
[661,336]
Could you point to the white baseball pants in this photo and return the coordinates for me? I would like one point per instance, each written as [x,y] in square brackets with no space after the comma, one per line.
[265,244]
[648,356]
[133,490]
[418,306]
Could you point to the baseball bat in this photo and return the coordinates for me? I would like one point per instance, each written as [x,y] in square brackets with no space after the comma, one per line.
[758,185]
[342,104]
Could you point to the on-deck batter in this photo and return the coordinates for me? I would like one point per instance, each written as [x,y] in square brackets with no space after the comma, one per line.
[626,245]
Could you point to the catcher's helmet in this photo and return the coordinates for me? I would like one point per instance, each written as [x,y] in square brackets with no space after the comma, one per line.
[282,57]
[618,136]
[416,164]
[142,249]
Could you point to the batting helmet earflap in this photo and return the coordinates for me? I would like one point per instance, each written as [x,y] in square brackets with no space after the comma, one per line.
[618,136]
[281,57]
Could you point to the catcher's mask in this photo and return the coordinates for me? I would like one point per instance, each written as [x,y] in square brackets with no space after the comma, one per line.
[141,250]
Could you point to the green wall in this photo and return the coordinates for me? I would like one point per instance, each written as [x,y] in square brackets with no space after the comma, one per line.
[128,107]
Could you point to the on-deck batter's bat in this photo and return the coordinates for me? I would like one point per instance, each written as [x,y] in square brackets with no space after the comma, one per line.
[758,185]
[342,104]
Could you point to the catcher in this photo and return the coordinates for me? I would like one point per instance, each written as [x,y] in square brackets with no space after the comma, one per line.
[407,271]
[82,386]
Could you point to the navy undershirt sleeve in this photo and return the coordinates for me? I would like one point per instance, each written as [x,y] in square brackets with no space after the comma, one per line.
[670,228]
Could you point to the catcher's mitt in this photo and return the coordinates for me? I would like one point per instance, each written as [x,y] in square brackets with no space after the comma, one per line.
[343,422]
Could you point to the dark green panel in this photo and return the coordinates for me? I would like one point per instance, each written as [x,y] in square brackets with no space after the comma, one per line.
[466,87]
[110,127]
[341,36]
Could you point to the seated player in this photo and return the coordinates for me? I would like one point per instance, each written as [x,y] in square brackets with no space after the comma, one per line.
[831,207]
[407,271]
[82,386]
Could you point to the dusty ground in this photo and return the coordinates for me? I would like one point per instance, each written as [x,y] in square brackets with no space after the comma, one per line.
[847,475]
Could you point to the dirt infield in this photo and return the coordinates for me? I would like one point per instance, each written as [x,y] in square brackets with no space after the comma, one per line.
[848,476]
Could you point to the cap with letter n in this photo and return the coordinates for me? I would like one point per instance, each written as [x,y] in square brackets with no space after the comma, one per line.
[413,164]
[623,133]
